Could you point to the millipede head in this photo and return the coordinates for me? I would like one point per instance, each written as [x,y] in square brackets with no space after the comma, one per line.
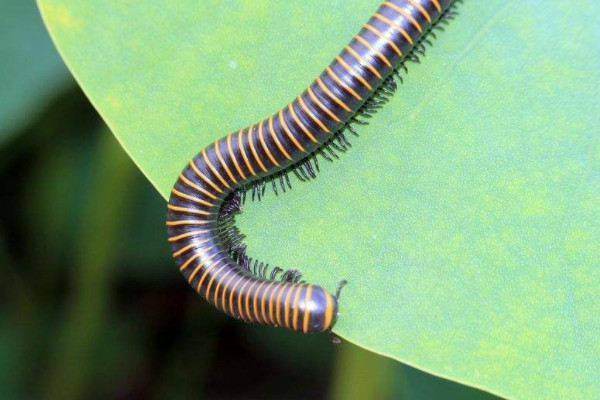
[322,310]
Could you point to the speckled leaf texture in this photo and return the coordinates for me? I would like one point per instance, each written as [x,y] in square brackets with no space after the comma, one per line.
[466,217]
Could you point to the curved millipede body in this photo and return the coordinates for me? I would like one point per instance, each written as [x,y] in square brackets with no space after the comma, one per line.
[208,190]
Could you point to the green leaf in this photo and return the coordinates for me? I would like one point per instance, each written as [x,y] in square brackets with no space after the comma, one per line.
[30,72]
[359,375]
[467,215]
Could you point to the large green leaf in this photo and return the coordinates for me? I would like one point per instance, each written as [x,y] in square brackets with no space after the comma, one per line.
[467,215]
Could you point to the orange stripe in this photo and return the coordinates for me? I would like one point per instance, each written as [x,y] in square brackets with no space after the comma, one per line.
[247,302]
[189,246]
[187,222]
[210,282]
[437,5]
[196,187]
[257,317]
[210,268]
[278,303]
[306,309]
[213,169]
[188,210]
[342,83]
[300,124]
[332,96]
[191,198]
[233,157]
[273,301]
[328,311]
[264,145]
[353,72]
[362,61]
[368,45]
[189,261]
[194,272]
[287,306]
[321,105]
[237,283]
[311,115]
[276,139]
[241,147]
[405,14]
[395,26]
[205,179]
[381,35]
[240,294]
[225,288]
[187,234]
[296,308]
[199,266]
[421,9]
[251,142]
[223,164]
[220,283]
[263,303]
[183,250]
[289,133]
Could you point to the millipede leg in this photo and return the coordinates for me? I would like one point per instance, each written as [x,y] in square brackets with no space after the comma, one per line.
[335,339]
[291,275]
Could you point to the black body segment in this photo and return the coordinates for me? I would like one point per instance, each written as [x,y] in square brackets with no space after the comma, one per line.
[196,205]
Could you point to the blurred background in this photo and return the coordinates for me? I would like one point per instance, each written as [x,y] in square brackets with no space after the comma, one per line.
[92,304]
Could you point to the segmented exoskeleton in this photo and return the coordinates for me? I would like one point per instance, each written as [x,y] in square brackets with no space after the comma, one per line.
[206,245]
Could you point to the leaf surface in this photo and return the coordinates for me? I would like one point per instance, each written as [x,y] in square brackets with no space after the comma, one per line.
[466,217]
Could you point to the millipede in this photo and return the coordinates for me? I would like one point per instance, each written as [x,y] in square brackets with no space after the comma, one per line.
[211,189]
